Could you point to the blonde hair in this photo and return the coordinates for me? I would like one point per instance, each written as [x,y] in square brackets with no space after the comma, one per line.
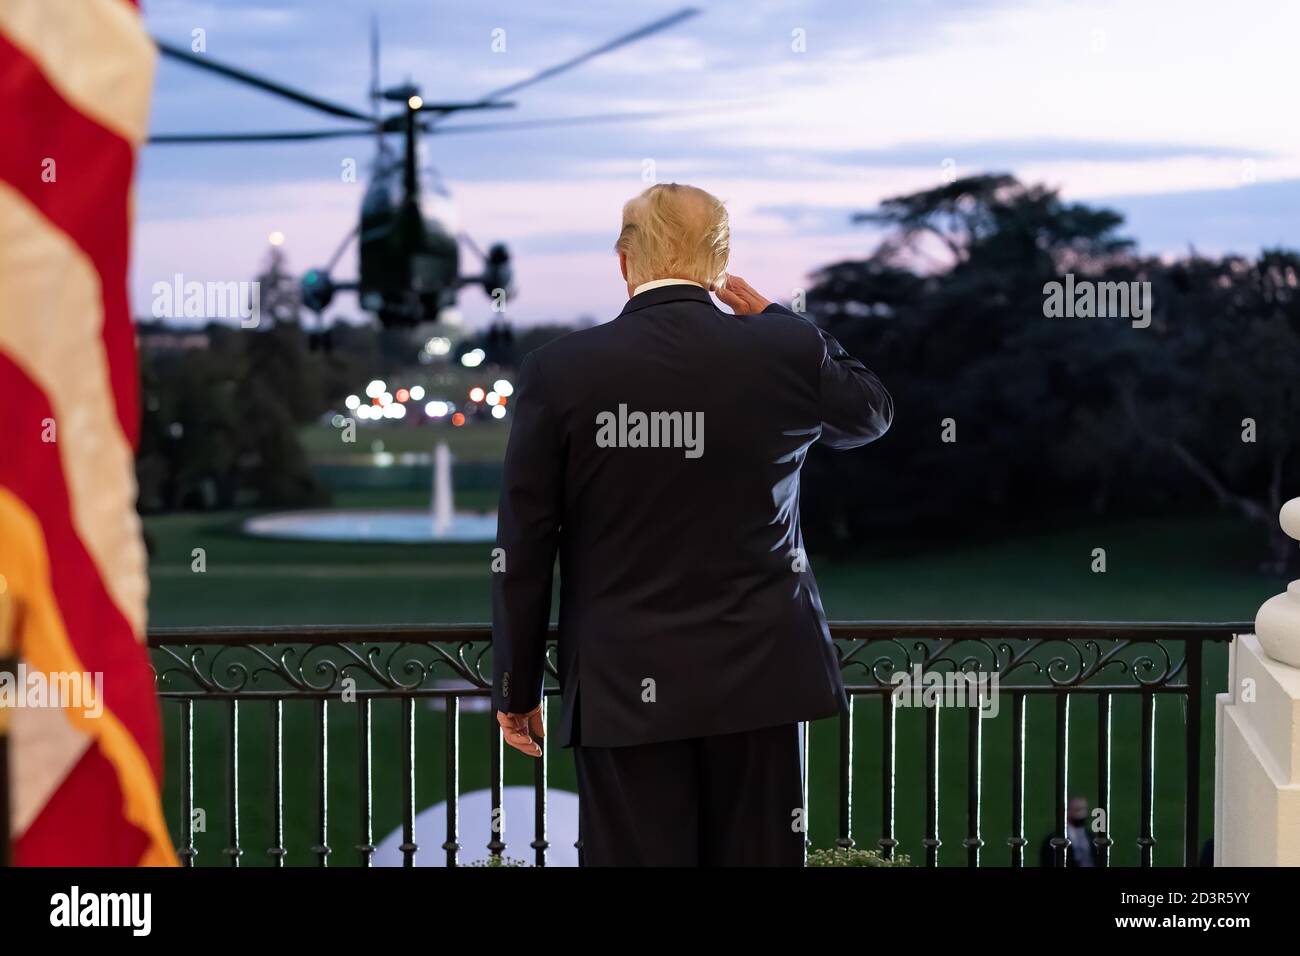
[672,231]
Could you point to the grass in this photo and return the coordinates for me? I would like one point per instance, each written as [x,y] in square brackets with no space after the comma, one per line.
[477,442]
[1169,569]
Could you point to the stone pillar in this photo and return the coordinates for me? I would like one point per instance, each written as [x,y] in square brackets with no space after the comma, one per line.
[1257,736]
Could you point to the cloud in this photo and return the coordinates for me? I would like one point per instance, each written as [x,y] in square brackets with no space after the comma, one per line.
[1005,154]
[1244,218]
[1131,105]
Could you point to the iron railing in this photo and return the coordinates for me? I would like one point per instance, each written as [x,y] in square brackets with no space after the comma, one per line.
[1070,662]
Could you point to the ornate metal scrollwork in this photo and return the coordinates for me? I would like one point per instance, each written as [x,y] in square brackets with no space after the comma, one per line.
[1031,662]
[403,665]
[319,668]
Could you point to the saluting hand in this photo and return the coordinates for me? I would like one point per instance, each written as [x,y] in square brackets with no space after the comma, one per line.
[740,297]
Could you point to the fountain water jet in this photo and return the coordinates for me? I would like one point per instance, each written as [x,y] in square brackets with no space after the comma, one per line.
[443,512]
[438,523]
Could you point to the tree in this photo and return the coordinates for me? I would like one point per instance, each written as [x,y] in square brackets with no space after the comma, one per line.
[220,424]
[1007,416]
[279,294]
[1224,403]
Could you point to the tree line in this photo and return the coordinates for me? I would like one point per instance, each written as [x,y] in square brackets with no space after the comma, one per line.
[1014,408]
[1009,414]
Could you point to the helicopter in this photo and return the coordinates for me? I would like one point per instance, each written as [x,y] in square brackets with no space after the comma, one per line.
[409,259]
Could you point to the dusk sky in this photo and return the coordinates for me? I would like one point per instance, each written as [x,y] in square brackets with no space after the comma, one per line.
[1178,114]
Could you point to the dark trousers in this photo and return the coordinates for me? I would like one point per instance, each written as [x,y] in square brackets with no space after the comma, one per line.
[733,800]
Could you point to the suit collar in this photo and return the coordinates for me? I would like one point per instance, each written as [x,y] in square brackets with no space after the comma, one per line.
[666,293]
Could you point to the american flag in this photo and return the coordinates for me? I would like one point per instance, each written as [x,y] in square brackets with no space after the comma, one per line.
[75,78]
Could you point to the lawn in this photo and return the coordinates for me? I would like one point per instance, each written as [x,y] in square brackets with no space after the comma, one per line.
[1168,569]
[481,441]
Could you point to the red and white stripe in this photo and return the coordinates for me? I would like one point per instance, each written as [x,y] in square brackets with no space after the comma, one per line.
[75,77]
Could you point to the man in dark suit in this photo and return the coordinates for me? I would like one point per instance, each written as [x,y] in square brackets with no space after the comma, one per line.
[1081,851]
[659,456]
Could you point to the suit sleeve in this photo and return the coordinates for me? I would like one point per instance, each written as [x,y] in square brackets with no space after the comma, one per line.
[855,407]
[528,534]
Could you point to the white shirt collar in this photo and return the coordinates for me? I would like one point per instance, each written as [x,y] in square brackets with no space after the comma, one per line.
[660,283]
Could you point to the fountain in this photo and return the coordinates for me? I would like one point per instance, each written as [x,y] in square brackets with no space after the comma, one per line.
[440,523]
[443,513]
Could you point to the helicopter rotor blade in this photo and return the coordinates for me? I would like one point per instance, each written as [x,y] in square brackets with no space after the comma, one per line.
[204,62]
[393,124]
[466,238]
[458,107]
[181,139]
[555,121]
[374,67]
[338,253]
[650,28]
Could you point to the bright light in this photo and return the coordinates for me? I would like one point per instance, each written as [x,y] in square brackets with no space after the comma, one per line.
[492,398]
[415,102]
[499,411]
[276,238]
[458,419]
[476,394]
[503,388]
[437,409]
[473,359]
[363,413]
[386,398]
[376,388]
[417,392]
[438,346]
[352,401]
[403,394]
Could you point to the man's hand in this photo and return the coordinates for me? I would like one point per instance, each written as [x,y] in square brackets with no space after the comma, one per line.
[740,297]
[516,727]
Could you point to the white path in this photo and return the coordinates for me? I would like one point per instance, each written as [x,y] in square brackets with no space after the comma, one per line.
[474,827]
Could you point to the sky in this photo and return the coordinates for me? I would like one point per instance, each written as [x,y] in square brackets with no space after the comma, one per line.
[1177,113]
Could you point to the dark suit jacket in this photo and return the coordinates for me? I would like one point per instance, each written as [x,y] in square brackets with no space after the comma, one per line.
[686,607]
[1075,856]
